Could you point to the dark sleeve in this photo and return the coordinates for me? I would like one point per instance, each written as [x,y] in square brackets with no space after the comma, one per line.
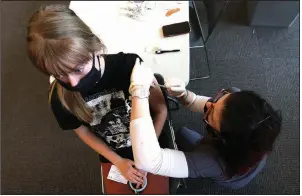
[204,162]
[128,64]
[65,119]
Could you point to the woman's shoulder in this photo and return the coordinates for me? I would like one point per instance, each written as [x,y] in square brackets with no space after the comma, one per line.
[121,58]
[120,65]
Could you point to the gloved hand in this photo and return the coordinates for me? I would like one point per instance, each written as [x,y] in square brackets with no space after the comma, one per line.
[175,87]
[141,77]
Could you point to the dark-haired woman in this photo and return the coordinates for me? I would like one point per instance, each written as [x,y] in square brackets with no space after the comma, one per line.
[242,129]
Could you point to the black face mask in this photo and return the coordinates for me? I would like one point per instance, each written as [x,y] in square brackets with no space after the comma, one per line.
[87,82]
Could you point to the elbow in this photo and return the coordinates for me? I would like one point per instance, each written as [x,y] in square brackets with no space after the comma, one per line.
[147,164]
[143,165]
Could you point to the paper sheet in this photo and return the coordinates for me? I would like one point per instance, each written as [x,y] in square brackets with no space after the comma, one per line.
[115,175]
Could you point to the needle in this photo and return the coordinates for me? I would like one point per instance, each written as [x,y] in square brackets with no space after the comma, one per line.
[163,86]
[160,85]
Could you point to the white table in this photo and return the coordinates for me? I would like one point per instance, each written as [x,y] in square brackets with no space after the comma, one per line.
[123,34]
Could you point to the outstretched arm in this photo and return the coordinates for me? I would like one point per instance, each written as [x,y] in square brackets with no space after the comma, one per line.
[148,155]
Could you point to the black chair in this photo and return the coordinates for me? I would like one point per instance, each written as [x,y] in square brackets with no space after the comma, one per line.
[198,39]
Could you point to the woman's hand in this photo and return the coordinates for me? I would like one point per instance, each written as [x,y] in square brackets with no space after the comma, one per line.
[126,167]
[145,176]
[176,87]
[141,77]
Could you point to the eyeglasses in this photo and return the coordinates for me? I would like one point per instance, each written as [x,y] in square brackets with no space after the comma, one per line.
[219,95]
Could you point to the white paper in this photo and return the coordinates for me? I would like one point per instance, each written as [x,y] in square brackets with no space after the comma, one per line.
[115,175]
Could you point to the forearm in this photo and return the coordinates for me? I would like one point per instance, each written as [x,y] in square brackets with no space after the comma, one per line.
[194,102]
[187,98]
[99,146]
[149,156]
[140,108]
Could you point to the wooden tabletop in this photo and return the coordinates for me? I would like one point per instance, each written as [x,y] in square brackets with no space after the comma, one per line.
[156,184]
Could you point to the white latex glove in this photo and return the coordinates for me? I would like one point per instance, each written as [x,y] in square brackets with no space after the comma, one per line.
[176,87]
[141,77]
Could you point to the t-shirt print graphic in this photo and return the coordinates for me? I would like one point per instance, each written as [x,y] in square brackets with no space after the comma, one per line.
[111,118]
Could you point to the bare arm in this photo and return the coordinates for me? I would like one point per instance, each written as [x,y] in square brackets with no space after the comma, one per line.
[97,144]
[158,107]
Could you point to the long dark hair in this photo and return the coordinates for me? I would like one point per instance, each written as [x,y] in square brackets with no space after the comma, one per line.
[249,128]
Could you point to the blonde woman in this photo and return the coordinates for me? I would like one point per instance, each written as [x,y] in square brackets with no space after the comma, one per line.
[90,91]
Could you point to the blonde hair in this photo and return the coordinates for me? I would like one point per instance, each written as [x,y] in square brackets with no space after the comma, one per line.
[57,41]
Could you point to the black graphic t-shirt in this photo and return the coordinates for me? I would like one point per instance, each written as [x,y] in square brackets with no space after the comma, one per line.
[110,103]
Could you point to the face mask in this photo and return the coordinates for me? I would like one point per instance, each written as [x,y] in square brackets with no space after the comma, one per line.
[87,82]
